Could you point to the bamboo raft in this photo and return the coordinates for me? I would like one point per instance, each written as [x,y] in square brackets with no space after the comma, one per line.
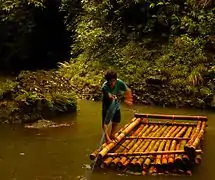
[155,144]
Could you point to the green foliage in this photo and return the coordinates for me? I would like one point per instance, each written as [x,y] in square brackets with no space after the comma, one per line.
[36,95]
[160,48]
[161,56]
[6,86]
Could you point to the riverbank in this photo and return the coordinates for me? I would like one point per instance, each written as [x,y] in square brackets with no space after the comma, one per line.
[86,78]
[32,96]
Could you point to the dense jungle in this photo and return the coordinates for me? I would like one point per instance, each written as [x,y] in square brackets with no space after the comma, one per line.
[53,52]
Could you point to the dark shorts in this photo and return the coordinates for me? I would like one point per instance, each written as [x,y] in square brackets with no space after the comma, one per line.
[116,117]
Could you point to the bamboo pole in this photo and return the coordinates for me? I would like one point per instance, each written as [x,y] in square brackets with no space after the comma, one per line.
[95,153]
[149,147]
[167,146]
[187,163]
[145,131]
[126,131]
[195,134]
[120,148]
[158,143]
[144,144]
[173,147]
[148,160]
[198,159]
[175,117]
[151,153]
[159,138]
[162,145]
[135,144]
[190,148]
[194,139]
[146,147]
[170,123]
[178,158]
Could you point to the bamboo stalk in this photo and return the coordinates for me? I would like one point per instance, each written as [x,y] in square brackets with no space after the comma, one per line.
[132,160]
[148,160]
[108,160]
[134,145]
[151,153]
[173,147]
[150,146]
[175,117]
[195,140]
[167,146]
[158,143]
[187,163]
[170,123]
[158,138]
[162,145]
[198,159]
[145,131]
[126,131]
[95,153]
[178,158]
[198,138]
[145,147]
[195,134]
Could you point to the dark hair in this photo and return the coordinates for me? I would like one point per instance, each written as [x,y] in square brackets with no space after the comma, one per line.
[110,74]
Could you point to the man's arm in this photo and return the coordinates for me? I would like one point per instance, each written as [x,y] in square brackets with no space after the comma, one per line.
[128,96]
[127,92]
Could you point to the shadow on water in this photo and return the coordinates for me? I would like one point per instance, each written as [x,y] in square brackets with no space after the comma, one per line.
[63,153]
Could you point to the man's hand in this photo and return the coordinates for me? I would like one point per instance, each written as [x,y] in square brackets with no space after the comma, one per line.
[129,102]
[112,96]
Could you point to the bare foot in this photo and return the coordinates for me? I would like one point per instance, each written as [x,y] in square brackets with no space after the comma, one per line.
[108,140]
[112,137]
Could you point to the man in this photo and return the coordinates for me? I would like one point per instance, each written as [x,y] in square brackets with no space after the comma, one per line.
[112,88]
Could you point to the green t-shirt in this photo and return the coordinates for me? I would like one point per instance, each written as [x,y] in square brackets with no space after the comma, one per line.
[117,90]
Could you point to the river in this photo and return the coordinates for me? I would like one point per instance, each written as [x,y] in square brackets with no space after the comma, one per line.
[63,153]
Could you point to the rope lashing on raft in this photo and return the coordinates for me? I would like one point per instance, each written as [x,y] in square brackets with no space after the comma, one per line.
[173,119]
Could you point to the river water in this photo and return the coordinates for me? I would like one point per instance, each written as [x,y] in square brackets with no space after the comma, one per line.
[63,153]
